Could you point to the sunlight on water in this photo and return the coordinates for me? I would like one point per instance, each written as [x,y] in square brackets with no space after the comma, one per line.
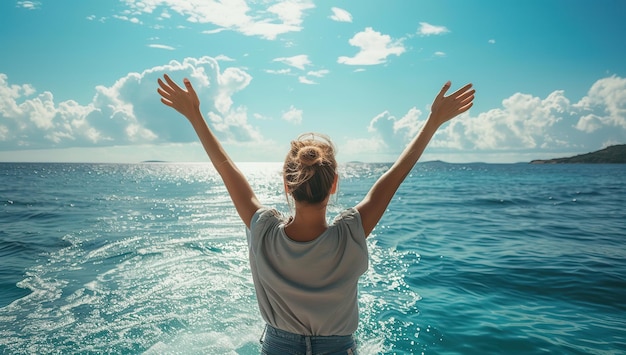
[152,258]
[166,269]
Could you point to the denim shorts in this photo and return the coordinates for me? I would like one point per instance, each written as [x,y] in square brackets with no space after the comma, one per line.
[275,341]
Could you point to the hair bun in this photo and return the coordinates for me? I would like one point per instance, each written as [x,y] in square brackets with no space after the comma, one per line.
[310,155]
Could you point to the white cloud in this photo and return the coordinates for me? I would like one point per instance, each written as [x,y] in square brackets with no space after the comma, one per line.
[318,73]
[230,81]
[340,15]
[394,132]
[426,29]
[165,15]
[492,41]
[41,110]
[374,48]
[94,18]
[161,46]
[30,5]
[134,20]
[224,58]
[9,94]
[251,19]
[298,61]
[212,32]
[279,72]
[589,123]
[293,115]
[605,103]
[128,112]
[259,116]
[439,54]
[524,122]
[305,80]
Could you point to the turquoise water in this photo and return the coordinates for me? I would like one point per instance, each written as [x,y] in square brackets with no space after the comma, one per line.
[469,259]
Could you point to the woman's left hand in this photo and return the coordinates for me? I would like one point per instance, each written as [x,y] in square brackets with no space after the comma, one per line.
[184,101]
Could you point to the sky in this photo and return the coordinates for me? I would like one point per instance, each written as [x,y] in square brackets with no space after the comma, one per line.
[78,79]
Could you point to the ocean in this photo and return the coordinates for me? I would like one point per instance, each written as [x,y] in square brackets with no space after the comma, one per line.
[468,259]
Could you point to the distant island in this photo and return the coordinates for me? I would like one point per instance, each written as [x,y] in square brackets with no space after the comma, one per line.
[615,154]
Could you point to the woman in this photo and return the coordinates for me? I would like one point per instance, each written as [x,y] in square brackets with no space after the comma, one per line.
[305,271]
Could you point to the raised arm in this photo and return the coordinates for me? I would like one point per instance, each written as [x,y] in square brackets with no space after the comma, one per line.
[187,103]
[443,109]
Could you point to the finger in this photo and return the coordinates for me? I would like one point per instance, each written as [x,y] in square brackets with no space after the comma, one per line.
[467,100]
[465,108]
[466,104]
[171,83]
[167,102]
[165,87]
[444,89]
[465,95]
[163,93]
[188,86]
[462,90]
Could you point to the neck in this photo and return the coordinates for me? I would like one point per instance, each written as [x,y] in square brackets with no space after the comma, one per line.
[308,222]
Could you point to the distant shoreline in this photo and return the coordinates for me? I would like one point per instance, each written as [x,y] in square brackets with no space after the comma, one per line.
[615,154]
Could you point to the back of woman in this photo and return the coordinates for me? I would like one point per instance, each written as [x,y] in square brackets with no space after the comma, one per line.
[306,271]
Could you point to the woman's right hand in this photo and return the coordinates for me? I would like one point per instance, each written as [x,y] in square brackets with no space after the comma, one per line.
[184,101]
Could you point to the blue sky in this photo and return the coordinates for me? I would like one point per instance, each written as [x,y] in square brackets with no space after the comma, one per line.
[78,78]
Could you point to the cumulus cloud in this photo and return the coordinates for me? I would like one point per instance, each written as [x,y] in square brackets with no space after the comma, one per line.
[395,132]
[374,48]
[298,61]
[266,19]
[426,29]
[29,120]
[128,112]
[229,82]
[605,104]
[523,122]
[340,15]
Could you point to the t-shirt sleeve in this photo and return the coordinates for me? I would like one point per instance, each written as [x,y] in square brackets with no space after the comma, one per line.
[255,217]
[350,222]
[263,218]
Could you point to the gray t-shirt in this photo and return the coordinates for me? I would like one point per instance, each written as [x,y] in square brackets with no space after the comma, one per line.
[308,288]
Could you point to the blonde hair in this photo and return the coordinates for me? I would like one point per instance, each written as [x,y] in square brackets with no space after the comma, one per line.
[310,168]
